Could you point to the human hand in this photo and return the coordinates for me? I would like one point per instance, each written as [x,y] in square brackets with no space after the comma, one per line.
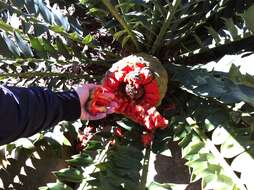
[84,92]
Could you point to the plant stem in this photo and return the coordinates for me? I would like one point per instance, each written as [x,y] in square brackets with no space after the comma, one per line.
[100,158]
[171,12]
[119,18]
[145,169]
[216,153]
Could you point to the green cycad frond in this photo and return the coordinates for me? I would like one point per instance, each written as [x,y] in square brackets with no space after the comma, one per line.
[177,28]
[122,22]
[48,30]
[229,80]
[43,41]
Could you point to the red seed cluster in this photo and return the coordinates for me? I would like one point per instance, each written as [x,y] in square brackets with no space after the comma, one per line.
[84,137]
[136,93]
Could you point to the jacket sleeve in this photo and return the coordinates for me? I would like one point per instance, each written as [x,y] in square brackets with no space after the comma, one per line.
[26,111]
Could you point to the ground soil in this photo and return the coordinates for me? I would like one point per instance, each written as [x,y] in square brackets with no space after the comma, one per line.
[173,169]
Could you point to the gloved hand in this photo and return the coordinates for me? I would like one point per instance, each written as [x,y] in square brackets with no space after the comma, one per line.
[85,94]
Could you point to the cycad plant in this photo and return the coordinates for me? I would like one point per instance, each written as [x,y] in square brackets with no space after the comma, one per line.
[206,47]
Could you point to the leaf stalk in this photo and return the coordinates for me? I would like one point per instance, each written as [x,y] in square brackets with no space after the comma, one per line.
[158,42]
[145,169]
[216,154]
[119,18]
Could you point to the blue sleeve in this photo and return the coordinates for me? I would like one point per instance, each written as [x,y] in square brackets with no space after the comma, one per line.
[26,111]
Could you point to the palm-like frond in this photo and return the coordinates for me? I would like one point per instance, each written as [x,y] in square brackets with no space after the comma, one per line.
[42,39]
[177,29]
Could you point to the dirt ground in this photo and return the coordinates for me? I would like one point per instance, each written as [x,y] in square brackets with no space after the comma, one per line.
[172,169]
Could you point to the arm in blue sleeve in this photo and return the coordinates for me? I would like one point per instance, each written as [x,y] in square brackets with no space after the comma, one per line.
[26,111]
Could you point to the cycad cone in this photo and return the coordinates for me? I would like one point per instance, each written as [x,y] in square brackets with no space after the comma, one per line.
[159,71]
[154,66]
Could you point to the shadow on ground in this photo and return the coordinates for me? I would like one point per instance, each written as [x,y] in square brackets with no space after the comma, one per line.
[172,169]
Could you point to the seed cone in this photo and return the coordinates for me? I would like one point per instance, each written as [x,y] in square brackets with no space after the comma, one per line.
[159,72]
[132,67]
[139,83]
